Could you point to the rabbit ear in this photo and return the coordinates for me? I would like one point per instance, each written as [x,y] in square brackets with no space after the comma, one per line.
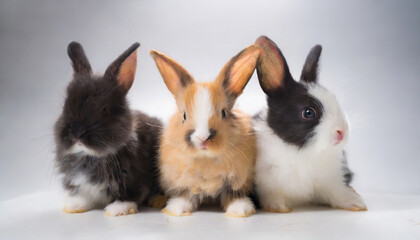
[236,73]
[175,76]
[273,72]
[310,69]
[78,58]
[123,69]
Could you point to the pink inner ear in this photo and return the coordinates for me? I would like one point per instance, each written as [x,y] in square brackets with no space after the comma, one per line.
[235,83]
[275,69]
[272,63]
[242,71]
[127,71]
[240,63]
[170,77]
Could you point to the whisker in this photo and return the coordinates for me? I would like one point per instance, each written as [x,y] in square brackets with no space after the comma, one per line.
[153,125]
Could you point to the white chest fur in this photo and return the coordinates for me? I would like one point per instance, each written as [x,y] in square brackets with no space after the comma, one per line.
[299,175]
[91,195]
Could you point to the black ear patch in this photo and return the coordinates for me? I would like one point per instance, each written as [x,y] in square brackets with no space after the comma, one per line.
[78,57]
[310,68]
[293,113]
[285,115]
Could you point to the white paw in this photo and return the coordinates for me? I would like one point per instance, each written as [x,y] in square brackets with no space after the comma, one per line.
[242,207]
[351,202]
[73,208]
[76,204]
[274,202]
[179,206]
[118,208]
[276,208]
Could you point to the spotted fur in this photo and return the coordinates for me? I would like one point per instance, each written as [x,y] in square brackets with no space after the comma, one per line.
[300,137]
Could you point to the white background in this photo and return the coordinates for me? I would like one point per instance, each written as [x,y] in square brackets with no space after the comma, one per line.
[370,60]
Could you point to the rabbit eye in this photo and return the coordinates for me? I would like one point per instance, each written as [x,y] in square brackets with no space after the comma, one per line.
[309,113]
[104,112]
[185,116]
[224,113]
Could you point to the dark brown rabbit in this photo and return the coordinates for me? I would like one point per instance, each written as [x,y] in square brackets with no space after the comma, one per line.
[105,151]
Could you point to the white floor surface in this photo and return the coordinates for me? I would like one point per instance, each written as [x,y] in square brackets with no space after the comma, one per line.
[39,216]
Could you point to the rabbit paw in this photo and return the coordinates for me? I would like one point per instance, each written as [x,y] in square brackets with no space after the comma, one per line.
[76,204]
[282,209]
[356,205]
[119,208]
[178,207]
[74,208]
[240,208]
[275,204]
[351,201]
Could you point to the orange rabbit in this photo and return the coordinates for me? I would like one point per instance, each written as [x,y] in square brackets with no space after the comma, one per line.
[208,149]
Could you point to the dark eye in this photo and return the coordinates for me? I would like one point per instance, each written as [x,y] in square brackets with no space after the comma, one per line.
[185,116]
[223,113]
[104,112]
[309,113]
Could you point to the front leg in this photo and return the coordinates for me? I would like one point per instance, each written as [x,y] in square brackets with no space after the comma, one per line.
[77,203]
[83,195]
[120,208]
[181,205]
[237,204]
[274,201]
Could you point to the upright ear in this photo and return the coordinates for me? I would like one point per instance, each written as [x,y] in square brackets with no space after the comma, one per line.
[273,72]
[123,69]
[174,75]
[78,58]
[310,69]
[236,73]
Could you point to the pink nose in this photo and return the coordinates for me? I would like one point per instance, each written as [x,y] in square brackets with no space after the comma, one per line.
[340,136]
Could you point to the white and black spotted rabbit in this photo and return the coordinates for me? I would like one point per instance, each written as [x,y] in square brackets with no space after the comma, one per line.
[301,138]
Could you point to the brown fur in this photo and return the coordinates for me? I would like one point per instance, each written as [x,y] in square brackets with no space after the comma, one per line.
[231,161]
[226,167]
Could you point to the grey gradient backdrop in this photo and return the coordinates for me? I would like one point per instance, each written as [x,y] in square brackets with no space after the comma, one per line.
[370,60]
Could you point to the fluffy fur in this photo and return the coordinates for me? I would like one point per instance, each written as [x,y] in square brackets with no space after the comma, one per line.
[208,149]
[301,138]
[106,152]
[118,208]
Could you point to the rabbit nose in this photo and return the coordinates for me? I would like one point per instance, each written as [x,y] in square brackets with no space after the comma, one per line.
[78,130]
[340,135]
